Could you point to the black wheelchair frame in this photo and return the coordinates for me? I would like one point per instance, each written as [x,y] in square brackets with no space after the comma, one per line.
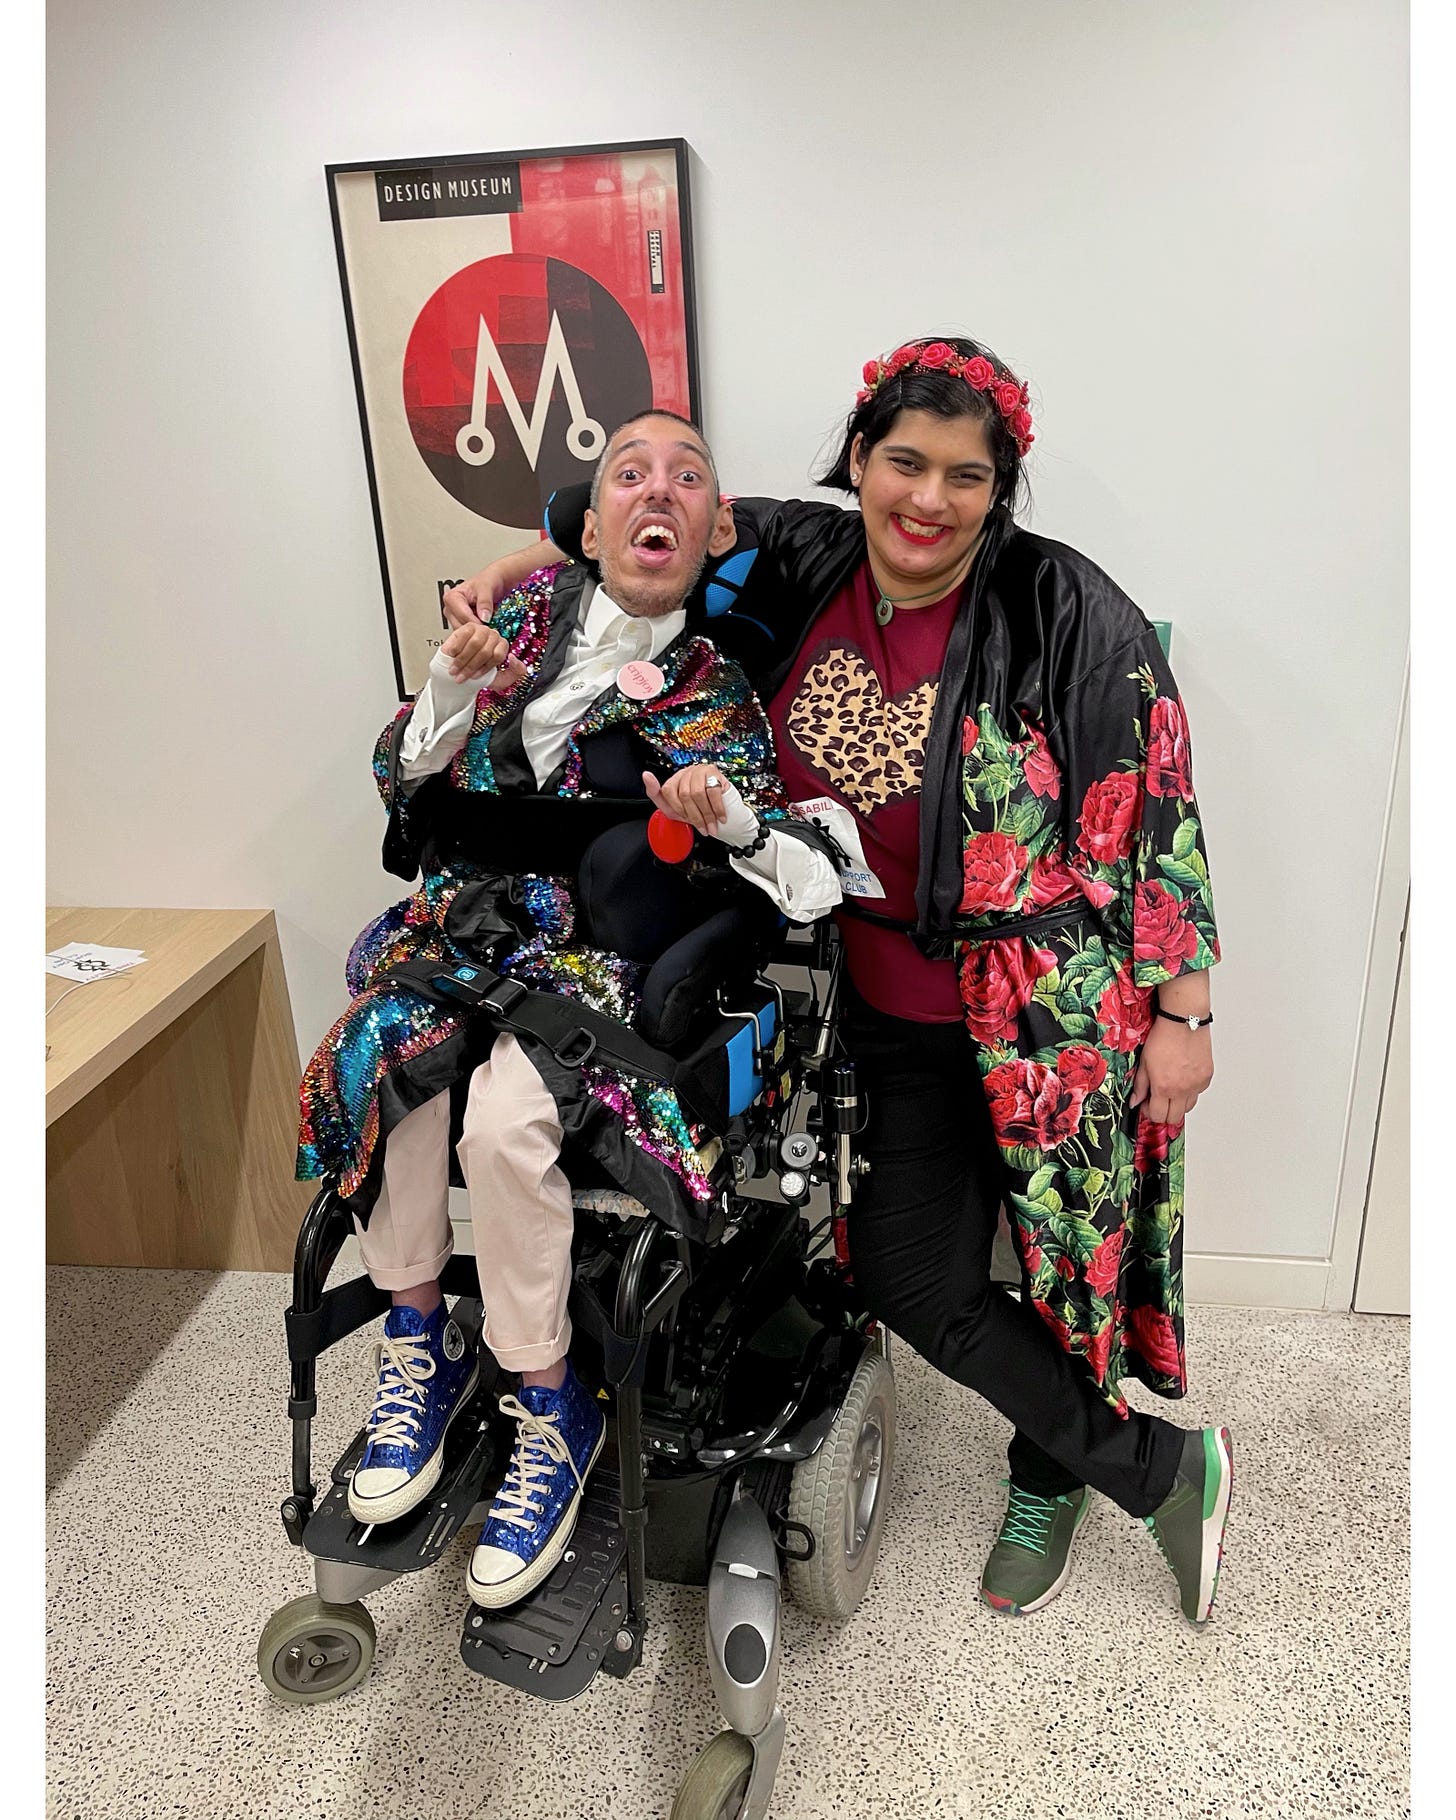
[737,1366]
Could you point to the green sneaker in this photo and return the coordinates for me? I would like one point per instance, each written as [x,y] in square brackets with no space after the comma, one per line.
[1188,1525]
[1032,1559]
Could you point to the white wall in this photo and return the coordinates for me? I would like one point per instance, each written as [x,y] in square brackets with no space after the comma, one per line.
[1186,223]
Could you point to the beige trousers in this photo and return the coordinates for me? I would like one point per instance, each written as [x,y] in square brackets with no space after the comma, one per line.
[520,1207]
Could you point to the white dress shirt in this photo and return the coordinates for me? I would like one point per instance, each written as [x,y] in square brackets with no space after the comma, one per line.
[800,879]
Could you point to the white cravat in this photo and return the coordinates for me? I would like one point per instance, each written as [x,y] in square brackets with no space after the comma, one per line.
[800,879]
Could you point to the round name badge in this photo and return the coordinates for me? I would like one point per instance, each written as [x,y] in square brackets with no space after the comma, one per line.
[640,680]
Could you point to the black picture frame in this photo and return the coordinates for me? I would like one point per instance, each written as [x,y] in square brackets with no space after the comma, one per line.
[378,245]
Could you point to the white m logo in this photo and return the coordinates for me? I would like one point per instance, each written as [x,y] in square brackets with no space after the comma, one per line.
[474,444]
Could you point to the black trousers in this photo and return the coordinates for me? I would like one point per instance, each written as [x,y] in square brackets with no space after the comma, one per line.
[921,1227]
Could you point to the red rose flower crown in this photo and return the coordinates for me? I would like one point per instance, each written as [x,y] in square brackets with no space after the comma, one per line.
[1008,393]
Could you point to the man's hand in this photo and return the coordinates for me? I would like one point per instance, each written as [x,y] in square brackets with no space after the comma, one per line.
[1175,1067]
[473,650]
[698,795]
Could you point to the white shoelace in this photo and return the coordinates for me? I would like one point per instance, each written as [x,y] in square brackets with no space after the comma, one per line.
[539,1442]
[405,1367]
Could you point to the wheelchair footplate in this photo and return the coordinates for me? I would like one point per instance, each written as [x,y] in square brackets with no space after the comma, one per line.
[554,1642]
[420,1537]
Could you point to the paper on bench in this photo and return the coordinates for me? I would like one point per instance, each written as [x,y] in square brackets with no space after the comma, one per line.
[87,961]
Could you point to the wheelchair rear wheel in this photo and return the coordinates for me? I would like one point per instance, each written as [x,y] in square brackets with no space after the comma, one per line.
[311,1651]
[840,1494]
[714,1787]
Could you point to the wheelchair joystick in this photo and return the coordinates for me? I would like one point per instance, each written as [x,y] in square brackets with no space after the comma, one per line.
[671,841]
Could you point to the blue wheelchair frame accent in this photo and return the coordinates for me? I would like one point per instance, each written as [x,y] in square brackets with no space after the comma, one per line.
[744,1083]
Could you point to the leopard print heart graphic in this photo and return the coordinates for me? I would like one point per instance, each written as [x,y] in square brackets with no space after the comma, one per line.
[869,748]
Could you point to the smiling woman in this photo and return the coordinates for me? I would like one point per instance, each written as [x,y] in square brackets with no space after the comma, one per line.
[984,720]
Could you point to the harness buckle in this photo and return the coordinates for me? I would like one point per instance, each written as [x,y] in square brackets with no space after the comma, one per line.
[504,996]
[569,1059]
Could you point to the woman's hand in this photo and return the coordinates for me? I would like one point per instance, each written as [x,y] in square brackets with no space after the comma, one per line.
[472,602]
[698,795]
[1175,1067]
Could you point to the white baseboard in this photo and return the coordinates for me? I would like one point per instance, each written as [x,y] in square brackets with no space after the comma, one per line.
[1230,1281]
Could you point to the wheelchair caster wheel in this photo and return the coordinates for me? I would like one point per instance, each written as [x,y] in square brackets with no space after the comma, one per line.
[310,1651]
[840,1493]
[717,1780]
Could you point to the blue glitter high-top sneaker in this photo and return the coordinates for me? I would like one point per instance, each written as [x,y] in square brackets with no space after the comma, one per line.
[559,1434]
[427,1372]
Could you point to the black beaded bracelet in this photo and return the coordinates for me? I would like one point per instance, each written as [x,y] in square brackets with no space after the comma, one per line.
[754,846]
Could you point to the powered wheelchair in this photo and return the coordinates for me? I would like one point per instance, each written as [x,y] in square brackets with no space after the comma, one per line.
[752,1415]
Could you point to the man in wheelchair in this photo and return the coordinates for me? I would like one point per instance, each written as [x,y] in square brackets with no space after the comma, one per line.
[517,787]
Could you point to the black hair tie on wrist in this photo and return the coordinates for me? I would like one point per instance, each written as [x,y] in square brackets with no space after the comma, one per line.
[1188,1023]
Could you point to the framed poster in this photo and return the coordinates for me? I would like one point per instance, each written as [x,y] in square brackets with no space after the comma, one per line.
[505,313]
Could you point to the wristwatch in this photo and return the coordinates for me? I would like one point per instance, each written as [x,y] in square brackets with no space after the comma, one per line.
[1192,1023]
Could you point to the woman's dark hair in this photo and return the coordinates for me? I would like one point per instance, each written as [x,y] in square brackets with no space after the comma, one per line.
[943,395]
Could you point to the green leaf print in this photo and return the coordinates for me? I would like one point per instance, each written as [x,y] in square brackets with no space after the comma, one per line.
[1152,1229]
[1096,982]
[1069,1000]
[992,742]
[1041,1181]
[1050,984]
[1024,821]
[1202,954]
[994,782]
[1076,1179]
[1076,1024]
[1185,841]
[1180,874]
[1079,1235]
[1029,1214]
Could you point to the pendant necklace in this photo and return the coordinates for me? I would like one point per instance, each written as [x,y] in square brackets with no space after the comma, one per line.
[885,607]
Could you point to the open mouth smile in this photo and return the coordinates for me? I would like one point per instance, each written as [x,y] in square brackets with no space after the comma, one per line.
[655,542]
[916,530]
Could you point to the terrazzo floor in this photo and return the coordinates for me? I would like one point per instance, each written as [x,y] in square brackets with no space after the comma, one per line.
[167,1458]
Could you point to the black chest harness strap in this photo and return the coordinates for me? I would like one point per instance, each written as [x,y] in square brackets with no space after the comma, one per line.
[574,1033]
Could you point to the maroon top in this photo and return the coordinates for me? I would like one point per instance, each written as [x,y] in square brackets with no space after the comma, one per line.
[850,725]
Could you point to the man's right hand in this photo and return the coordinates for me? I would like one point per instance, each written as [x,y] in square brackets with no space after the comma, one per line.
[474,650]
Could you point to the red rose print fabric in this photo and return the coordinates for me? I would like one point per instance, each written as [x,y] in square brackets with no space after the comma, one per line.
[1091,815]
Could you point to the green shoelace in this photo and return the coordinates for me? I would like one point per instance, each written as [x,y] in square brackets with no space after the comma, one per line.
[1028,1519]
